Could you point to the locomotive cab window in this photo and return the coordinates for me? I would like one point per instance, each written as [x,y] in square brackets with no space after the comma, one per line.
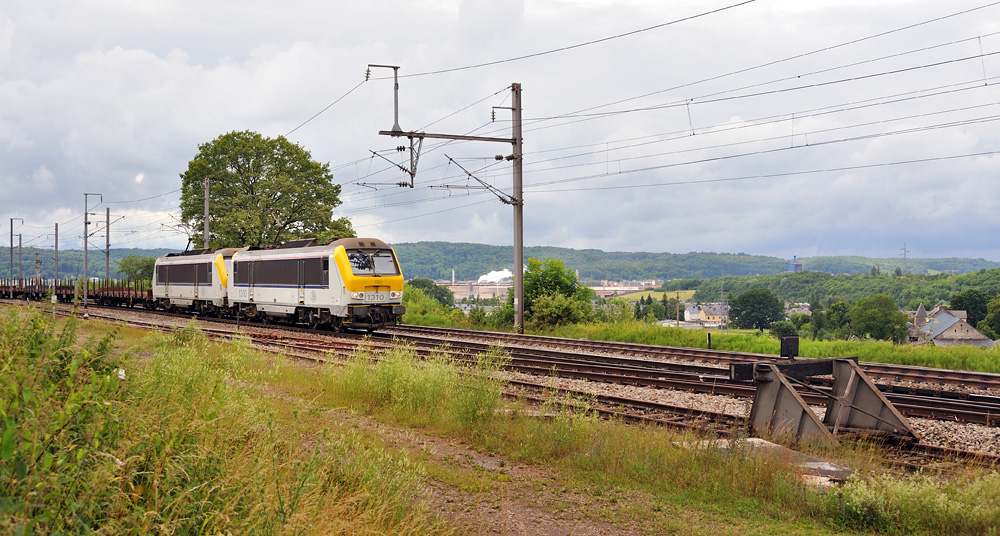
[378,263]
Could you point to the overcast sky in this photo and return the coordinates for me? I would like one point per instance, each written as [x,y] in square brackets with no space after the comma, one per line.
[775,127]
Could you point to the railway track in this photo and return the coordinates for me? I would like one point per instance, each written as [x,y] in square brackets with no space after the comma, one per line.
[897,373]
[649,366]
[600,366]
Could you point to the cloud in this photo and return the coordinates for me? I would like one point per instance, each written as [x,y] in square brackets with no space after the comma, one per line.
[696,136]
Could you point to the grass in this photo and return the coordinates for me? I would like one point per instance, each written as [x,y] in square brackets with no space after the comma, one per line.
[183,444]
[201,437]
[685,295]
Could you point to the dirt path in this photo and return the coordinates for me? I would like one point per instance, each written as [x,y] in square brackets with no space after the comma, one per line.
[490,495]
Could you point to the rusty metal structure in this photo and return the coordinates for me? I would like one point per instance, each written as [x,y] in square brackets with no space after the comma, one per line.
[854,405]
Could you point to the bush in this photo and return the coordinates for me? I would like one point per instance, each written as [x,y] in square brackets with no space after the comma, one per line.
[783,328]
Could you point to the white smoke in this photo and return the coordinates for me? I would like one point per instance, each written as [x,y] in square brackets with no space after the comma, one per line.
[496,276]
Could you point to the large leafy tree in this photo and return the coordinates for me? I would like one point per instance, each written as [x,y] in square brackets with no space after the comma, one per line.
[756,309]
[878,317]
[262,191]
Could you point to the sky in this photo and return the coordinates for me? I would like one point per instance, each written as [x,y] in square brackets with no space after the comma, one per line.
[781,127]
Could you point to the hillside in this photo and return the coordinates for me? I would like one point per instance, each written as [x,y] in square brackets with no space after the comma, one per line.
[70,261]
[436,260]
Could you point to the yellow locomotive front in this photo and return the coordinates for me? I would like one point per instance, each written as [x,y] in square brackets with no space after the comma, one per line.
[371,281]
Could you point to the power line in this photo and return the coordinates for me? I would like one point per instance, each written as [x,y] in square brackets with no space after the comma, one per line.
[762,176]
[793,57]
[317,114]
[578,45]
[756,153]
[143,199]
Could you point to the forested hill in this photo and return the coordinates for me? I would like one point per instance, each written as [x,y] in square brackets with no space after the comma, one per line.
[70,261]
[436,260]
[908,290]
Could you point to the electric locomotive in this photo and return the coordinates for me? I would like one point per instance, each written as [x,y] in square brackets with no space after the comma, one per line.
[351,283]
[193,281]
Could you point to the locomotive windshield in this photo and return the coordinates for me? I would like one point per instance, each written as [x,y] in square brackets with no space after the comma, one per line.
[378,263]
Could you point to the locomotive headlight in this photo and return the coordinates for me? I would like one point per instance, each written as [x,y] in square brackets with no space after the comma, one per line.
[357,295]
[395,294]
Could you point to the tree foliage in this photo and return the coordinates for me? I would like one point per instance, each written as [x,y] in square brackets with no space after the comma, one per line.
[543,282]
[442,294]
[756,309]
[973,301]
[262,191]
[137,267]
[783,328]
[878,317]
[681,271]
[992,319]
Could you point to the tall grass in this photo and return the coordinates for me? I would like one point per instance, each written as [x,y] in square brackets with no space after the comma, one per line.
[432,392]
[918,504]
[179,441]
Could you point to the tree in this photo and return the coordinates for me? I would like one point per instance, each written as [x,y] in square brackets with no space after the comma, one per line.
[551,278]
[657,310]
[817,324]
[878,317]
[551,310]
[756,309]
[442,294]
[137,267]
[837,315]
[262,192]
[973,302]
[800,319]
[614,310]
[992,319]
[783,328]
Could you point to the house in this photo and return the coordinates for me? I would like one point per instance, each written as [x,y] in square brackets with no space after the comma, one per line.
[714,313]
[945,328]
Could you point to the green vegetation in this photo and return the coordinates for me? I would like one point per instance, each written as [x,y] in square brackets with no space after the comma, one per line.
[173,441]
[955,358]
[442,294]
[877,317]
[651,310]
[684,295]
[685,271]
[906,291]
[990,325]
[137,268]
[182,435]
[755,309]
